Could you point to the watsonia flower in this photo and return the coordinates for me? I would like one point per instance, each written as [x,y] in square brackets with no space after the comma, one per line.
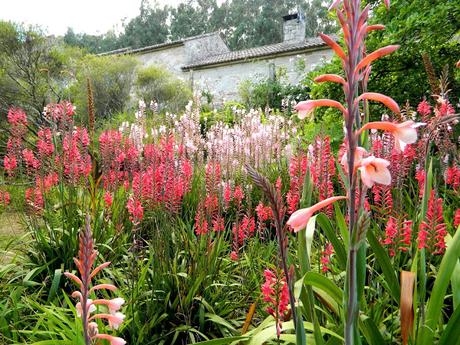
[404,133]
[299,219]
[86,306]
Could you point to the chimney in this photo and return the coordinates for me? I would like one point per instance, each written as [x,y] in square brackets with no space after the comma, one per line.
[293,28]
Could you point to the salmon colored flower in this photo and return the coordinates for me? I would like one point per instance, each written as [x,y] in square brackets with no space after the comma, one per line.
[114,319]
[375,170]
[360,152]
[299,219]
[89,303]
[114,304]
[404,133]
[305,108]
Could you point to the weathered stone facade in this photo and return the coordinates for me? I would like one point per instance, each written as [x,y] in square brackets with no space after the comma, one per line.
[207,63]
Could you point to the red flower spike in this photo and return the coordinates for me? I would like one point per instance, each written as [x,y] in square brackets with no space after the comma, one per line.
[457,219]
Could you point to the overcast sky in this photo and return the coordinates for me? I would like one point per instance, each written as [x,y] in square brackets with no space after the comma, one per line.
[90,16]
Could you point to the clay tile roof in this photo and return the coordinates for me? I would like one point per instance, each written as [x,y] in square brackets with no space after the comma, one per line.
[129,50]
[257,52]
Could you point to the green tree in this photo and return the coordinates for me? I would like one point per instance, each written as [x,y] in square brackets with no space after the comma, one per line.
[150,27]
[32,68]
[112,78]
[419,26]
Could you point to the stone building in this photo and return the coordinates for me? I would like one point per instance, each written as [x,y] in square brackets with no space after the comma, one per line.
[207,63]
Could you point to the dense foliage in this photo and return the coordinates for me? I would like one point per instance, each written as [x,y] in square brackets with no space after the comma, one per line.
[244,23]
[429,35]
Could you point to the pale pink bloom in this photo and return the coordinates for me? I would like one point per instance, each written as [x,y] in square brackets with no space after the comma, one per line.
[299,219]
[305,108]
[113,340]
[375,170]
[360,152]
[113,304]
[114,320]
[404,133]
[89,304]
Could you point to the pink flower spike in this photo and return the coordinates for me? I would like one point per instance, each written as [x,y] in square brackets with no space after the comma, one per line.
[387,4]
[306,107]
[89,305]
[330,77]
[103,286]
[387,101]
[113,340]
[375,170]
[334,5]
[404,133]
[299,219]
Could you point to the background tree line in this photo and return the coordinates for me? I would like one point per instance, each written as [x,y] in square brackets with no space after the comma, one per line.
[244,23]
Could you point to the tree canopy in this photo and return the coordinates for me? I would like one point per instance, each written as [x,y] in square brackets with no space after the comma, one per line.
[244,23]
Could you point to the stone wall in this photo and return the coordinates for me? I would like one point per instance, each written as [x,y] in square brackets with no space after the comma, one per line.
[223,81]
[204,46]
[172,59]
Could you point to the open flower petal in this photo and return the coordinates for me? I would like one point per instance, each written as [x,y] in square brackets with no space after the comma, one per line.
[375,170]
[299,219]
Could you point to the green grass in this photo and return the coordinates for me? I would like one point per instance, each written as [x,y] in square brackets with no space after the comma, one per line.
[11,228]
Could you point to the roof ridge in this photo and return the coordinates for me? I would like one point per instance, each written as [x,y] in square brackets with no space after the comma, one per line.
[260,51]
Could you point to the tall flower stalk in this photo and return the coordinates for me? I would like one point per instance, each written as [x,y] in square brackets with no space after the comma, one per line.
[85,261]
[357,162]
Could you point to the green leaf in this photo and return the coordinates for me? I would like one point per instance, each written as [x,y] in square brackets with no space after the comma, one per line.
[223,341]
[321,282]
[371,331]
[427,331]
[455,282]
[310,233]
[391,279]
[325,224]
[451,334]
[55,284]
[219,320]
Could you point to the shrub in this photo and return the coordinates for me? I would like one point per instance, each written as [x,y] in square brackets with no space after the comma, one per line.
[272,93]
[112,78]
[32,67]
[155,84]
